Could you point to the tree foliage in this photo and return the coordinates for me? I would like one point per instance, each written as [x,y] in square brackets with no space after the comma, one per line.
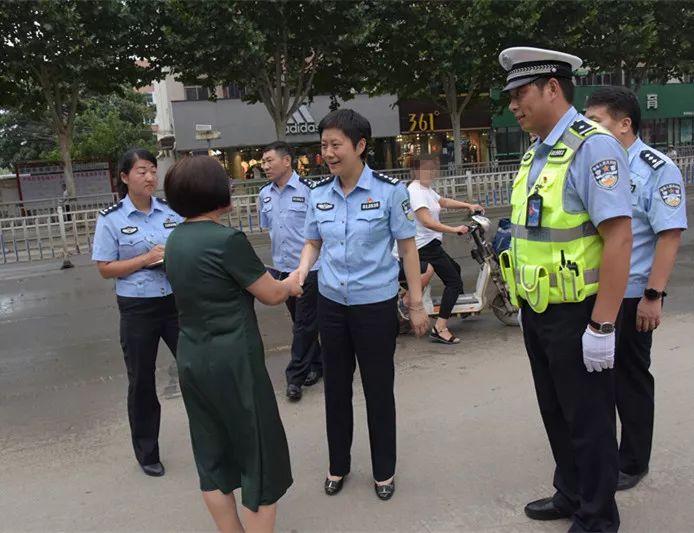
[649,40]
[445,51]
[56,53]
[23,138]
[278,52]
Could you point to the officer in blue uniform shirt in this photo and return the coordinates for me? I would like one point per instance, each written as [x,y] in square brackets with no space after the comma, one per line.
[659,217]
[129,247]
[571,345]
[283,203]
[353,220]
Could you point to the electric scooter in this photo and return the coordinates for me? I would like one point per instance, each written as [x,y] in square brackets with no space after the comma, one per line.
[490,290]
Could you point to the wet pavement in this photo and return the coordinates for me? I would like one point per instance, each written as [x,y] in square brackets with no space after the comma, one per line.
[472,449]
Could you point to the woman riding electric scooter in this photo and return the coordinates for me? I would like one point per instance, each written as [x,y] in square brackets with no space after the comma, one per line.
[427,204]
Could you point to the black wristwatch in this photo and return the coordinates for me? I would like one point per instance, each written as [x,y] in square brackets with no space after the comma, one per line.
[652,294]
[602,327]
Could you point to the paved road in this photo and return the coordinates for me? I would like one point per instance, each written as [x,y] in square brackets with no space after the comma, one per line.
[472,450]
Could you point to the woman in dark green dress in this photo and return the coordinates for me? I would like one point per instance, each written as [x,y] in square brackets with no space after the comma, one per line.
[236,431]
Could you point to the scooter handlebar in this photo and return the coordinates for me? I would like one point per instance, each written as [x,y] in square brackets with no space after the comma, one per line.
[470,228]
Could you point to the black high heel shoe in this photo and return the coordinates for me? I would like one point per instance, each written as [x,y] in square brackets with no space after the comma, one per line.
[332,486]
[385,492]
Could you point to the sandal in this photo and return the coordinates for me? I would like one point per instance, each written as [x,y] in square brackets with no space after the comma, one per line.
[435,336]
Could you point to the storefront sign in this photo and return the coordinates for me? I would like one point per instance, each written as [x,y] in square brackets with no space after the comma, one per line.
[420,122]
[301,123]
[422,116]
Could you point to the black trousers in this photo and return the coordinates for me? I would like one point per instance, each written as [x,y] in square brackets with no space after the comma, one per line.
[446,269]
[635,391]
[306,351]
[578,411]
[363,333]
[143,321]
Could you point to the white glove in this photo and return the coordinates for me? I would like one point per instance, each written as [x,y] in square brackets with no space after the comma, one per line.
[598,350]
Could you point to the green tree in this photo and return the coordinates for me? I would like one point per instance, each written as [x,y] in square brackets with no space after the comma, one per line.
[646,40]
[56,53]
[445,51]
[274,50]
[23,138]
[110,125]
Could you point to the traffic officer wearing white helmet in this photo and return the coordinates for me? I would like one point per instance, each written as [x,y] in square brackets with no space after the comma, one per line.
[567,269]
[659,217]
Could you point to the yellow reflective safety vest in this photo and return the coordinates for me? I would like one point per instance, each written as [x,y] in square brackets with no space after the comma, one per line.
[559,261]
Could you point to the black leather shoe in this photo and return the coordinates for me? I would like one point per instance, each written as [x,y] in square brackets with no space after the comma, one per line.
[294,393]
[385,492]
[629,481]
[332,487]
[312,378]
[154,470]
[545,509]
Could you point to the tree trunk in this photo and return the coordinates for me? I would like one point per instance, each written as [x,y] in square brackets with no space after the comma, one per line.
[280,128]
[457,138]
[65,145]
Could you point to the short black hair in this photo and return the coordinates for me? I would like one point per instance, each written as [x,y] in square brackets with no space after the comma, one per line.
[127,162]
[196,185]
[620,102]
[567,87]
[349,122]
[282,148]
[417,164]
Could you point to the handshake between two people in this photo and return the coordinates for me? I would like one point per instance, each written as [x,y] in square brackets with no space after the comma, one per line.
[419,320]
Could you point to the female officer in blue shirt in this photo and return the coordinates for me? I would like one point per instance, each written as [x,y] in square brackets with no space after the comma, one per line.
[129,246]
[352,221]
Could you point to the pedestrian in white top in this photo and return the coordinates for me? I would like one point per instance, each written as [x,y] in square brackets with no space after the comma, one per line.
[426,204]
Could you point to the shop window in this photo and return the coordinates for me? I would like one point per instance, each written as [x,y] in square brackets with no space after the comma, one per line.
[233,92]
[196,92]
[510,143]
[686,131]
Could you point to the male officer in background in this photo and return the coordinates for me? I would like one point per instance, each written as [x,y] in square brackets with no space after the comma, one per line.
[567,270]
[283,203]
[659,217]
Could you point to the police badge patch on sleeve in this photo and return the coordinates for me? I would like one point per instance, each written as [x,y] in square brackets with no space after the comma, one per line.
[671,194]
[605,173]
[407,209]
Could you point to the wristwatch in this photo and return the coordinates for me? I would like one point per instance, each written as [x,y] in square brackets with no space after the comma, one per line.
[652,294]
[602,327]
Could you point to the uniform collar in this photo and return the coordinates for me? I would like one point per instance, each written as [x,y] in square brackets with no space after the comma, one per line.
[364,182]
[560,127]
[130,207]
[293,183]
[636,148]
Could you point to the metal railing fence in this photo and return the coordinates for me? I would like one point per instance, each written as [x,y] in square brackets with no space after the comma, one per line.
[58,234]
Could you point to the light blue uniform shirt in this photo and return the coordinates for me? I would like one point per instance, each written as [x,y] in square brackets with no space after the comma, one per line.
[123,232]
[283,212]
[584,189]
[658,201]
[358,233]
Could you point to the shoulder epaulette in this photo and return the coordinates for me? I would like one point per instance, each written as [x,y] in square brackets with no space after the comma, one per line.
[161,200]
[264,185]
[652,159]
[582,127]
[111,209]
[312,184]
[386,178]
